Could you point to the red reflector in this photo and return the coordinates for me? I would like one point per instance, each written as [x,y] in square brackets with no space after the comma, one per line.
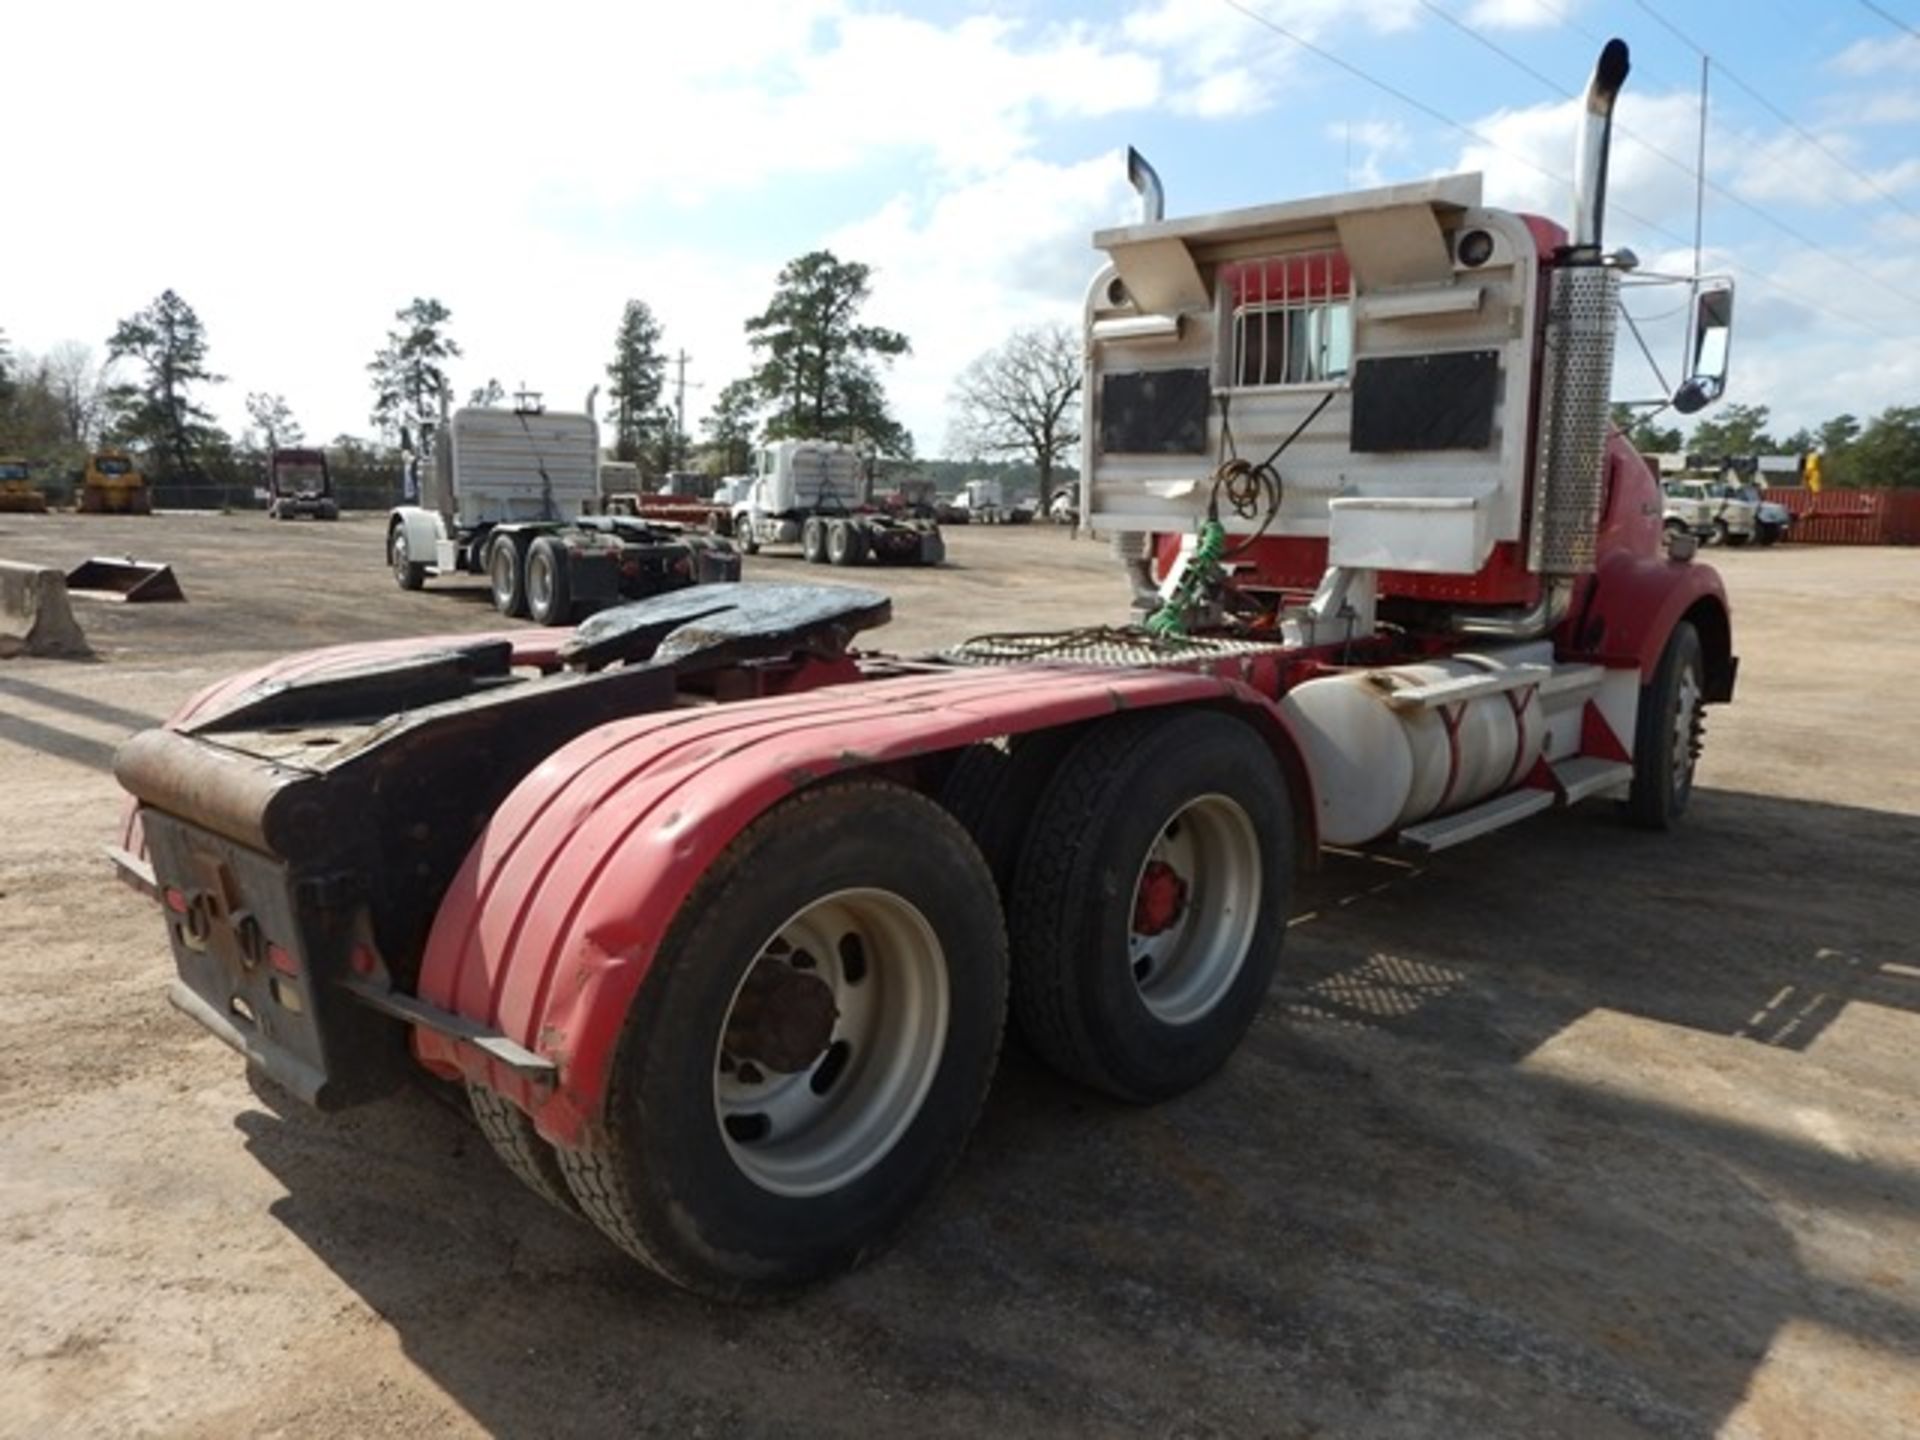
[683,566]
[282,961]
[176,900]
[362,960]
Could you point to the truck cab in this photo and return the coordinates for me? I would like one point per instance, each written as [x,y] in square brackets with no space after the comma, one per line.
[299,483]
[817,494]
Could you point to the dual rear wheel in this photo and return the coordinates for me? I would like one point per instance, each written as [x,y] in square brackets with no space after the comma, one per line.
[818,1031]
[530,580]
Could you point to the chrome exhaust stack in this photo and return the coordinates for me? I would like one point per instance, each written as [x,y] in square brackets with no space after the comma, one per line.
[1576,380]
[1590,155]
[1146,180]
[1132,548]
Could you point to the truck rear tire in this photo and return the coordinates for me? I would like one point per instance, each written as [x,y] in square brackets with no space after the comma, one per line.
[1668,733]
[813,540]
[1151,902]
[407,573]
[549,583]
[846,543]
[521,1148]
[810,1050]
[507,576]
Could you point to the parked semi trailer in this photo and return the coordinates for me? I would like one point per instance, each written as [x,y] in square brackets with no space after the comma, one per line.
[817,494]
[507,494]
[717,918]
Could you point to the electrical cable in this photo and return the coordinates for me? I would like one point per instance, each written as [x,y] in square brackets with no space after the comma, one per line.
[1776,111]
[1252,489]
[1681,165]
[1467,130]
[1891,19]
[548,509]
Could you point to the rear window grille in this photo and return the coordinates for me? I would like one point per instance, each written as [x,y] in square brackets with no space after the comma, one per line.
[1290,320]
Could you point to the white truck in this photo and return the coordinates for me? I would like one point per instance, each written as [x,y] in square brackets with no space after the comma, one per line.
[985,501]
[815,493]
[507,494]
[1712,511]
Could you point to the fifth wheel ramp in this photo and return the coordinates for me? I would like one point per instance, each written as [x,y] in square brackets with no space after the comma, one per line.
[35,618]
[109,577]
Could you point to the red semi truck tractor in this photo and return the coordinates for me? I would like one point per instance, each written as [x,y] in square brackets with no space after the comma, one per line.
[718,917]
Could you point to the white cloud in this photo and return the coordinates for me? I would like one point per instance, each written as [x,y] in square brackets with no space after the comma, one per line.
[531,176]
[1527,157]
[1880,55]
[1516,14]
[1226,63]
[1369,146]
[960,273]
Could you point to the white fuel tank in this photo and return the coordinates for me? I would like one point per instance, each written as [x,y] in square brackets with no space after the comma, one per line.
[1390,747]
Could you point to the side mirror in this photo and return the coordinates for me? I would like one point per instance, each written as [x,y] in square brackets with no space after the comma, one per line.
[1712,339]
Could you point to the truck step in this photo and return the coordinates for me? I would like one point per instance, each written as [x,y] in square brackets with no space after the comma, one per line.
[1482,819]
[1586,775]
[1467,687]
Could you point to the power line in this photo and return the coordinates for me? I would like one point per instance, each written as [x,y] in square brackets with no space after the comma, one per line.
[1893,20]
[1784,118]
[1467,130]
[1690,171]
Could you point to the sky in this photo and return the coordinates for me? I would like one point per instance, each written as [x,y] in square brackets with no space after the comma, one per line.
[297,175]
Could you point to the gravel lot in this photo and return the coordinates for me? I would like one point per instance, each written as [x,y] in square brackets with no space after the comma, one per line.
[1575,1131]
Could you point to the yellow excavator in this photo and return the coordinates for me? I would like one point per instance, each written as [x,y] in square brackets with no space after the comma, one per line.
[17,494]
[113,485]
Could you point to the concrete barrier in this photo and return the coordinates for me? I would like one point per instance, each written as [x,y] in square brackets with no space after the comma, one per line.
[35,618]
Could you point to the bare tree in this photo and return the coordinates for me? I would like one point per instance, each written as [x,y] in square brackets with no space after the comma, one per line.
[79,387]
[273,418]
[1022,400]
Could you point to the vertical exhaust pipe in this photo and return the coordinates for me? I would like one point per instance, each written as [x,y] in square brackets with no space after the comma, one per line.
[1576,379]
[1133,549]
[1590,156]
[1146,180]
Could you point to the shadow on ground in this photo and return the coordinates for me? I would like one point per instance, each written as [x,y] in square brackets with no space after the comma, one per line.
[1432,1195]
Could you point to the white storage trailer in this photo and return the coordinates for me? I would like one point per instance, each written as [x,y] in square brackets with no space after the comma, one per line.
[509,493]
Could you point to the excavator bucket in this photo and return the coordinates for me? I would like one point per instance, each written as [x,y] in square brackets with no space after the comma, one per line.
[106,577]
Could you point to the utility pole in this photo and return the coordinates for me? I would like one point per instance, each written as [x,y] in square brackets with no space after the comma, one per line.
[680,362]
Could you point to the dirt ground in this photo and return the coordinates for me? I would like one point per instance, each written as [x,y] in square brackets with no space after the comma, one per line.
[1574,1131]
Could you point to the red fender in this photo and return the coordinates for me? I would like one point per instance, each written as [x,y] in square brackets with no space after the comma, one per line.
[549,928]
[1625,611]
[1629,607]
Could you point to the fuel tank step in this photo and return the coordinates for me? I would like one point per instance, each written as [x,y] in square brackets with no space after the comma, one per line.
[1482,819]
[1586,775]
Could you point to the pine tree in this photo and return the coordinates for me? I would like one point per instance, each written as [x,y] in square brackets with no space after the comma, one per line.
[158,412]
[642,427]
[409,371]
[817,369]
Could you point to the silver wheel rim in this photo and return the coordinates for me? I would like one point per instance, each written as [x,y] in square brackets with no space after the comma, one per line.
[820,1127]
[500,569]
[1686,730]
[399,552]
[1184,965]
[539,582]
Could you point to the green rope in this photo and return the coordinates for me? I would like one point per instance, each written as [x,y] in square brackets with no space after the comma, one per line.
[1203,571]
